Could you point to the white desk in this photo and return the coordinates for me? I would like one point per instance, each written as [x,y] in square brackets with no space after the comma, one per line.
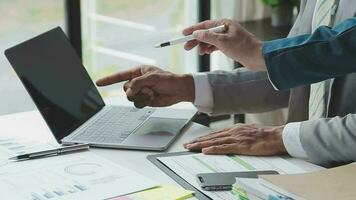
[31,125]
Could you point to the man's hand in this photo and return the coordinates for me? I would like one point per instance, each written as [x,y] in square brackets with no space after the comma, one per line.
[241,139]
[151,86]
[236,42]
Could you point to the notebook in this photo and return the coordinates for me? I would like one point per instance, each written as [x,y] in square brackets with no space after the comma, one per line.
[328,184]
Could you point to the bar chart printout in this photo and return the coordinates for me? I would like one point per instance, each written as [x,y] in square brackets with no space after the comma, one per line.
[73,176]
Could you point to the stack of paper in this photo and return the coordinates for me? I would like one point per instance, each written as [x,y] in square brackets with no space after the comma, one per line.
[187,166]
[253,186]
[329,184]
[165,192]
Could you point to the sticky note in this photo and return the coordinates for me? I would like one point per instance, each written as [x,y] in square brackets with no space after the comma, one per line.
[163,192]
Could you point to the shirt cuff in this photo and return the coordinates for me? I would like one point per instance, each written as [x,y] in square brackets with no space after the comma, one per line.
[291,140]
[274,86]
[203,93]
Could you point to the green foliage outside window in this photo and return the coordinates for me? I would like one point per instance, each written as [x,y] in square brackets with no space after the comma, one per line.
[276,3]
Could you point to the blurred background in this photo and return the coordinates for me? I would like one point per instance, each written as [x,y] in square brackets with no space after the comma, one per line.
[114,35]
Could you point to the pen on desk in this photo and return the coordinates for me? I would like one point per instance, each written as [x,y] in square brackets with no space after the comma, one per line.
[218,29]
[279,197]
[52,152]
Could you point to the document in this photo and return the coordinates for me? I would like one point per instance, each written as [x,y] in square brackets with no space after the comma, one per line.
[81,175]
[15,146]
[163,192]
[327,184]
[187,166]
[11,146]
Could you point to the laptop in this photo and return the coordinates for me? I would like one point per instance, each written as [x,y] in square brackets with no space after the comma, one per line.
[72,107]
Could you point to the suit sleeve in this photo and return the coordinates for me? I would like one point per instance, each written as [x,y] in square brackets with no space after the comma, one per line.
[330,141]
[327,53]
[244,91]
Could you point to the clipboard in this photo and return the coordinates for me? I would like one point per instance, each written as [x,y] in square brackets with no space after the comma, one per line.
[154,159]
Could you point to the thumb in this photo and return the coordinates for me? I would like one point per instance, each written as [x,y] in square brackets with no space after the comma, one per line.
[206,36]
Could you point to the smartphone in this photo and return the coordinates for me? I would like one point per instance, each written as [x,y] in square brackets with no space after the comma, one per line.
[225,180]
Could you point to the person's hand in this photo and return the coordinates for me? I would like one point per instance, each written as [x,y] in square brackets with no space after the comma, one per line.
[241,139]
[235,42]
[151,86]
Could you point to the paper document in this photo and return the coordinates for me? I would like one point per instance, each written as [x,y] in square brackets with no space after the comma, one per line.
[17,146]
[164,192]
[187,166]
[10,147]
[327,184]
[73,176]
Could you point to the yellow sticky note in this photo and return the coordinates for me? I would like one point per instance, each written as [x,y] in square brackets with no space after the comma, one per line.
[164,192]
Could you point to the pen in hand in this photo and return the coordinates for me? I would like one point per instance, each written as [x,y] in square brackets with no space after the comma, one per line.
[218,29]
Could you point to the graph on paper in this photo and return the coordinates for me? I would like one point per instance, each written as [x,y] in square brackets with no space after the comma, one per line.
[73,176]
[83,169]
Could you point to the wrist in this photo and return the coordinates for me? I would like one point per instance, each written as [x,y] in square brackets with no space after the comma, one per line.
[187,86]
[258,60]
[279,140]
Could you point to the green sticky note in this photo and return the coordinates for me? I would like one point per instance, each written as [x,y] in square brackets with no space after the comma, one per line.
[163,192]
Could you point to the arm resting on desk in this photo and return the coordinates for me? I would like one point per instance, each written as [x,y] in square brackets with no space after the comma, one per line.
[329,141]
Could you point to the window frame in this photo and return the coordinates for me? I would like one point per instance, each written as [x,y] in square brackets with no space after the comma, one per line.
[73,24]
[74,30]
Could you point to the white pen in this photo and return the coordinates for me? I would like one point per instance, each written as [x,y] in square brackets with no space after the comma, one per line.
[218,29]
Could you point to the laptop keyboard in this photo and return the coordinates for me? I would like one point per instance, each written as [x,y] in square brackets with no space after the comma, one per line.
[115,125]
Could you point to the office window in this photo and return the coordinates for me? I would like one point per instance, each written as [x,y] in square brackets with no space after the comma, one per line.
[118,35]
[21,20]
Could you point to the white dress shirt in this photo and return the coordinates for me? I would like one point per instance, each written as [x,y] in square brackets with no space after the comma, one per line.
[204,102]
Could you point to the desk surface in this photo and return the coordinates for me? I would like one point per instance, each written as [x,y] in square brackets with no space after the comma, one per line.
[31,125]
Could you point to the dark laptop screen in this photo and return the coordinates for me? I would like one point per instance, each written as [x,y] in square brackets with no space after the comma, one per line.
[55,78]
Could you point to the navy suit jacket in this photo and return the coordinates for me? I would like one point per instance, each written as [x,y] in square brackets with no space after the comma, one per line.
[302,60]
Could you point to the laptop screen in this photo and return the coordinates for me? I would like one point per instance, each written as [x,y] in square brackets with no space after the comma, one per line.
[55,78]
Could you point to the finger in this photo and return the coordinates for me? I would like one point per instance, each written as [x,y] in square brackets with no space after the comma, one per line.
[209,143]
[143,98]
[206,48]
[208,135]
[202,25]
[142,101]
[118,77]
[211,49]
[126,85]
[190,45]
[203,48]
[148,92]
[136,84]
[219,134]
[138,97]
[221,149]
[208,37]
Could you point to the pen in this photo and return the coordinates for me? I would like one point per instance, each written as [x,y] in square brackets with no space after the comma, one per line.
[279,197]
[52,152]
[218,29]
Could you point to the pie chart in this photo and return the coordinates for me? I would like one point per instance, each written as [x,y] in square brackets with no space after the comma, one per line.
[83,169]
